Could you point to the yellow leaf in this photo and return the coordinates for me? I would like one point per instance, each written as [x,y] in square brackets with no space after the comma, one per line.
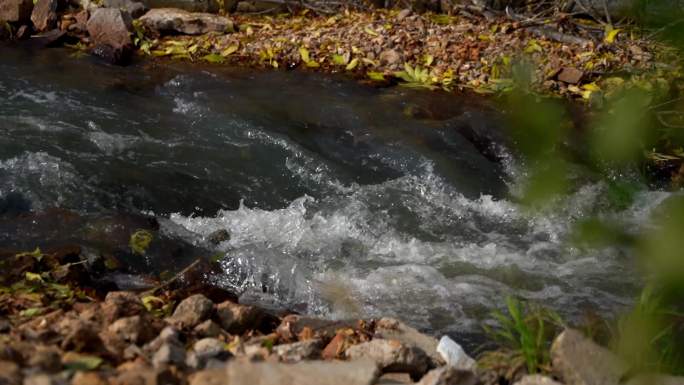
[340,60]
[376,76]
[369,31]
[610,34]
[140,241]
[591,87]
[34,277]
[352,64]
[429,59]
[213,58]
[230,50]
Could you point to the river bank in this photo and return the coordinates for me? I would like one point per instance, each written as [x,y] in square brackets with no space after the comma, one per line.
[61,325]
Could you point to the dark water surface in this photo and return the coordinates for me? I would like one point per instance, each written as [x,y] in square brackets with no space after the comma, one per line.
[340,199]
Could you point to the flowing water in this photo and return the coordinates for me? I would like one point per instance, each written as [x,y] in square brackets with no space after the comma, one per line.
[340,199]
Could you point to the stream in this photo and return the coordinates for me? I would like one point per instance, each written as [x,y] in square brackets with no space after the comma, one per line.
[340,199]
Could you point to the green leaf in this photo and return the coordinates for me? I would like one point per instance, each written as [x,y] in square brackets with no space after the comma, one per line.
[340,60]
[34,277]
[81,362]
[37,254]
[31,312]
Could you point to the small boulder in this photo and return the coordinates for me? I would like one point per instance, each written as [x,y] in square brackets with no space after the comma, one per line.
[145,377]
[169,354]
[449,376]
[454,355]
[537,379]
[207,349]
[16,11]
[110,30]
[44,15]
[170,20]
[46,358]
[391,356]
[168,335]
[236,318]
[43,379]
[302,373]
[298,351]
[134,8]
[191,311]
[294,326]
[117,304]
[9,373]
[579,361]
[570,75]
[134,330]
[392,329]
[208,328]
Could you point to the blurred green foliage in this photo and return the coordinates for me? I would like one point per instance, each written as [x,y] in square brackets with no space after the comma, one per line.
[620,132]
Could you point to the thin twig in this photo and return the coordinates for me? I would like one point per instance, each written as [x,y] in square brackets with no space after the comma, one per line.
[173,279]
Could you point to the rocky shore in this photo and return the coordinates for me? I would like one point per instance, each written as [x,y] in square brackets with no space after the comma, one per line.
[462,47]
[58,325]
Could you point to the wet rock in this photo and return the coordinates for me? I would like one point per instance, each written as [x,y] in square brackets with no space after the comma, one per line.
[214,376]
[16,11]
[303,373]
[169,354]
[136,329]
[134,8]
[236,318]
[110,30]
[46,358]
[23,33]
[218,236]
[391,356]
[9,373]
[208,328]
[579,361]
[570,75]
[44,15]
[169,20]
[88,378]
[537,379]
[449,376]
[53,38]
[298,351]
[389,328]
[191,311]
[145,377]
[454,355]
[120,304]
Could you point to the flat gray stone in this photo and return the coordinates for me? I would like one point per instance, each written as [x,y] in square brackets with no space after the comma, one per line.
[579,361]
[171,20]
[302,373]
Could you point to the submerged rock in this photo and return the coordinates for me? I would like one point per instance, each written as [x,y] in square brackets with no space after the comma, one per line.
[303,373]
[16,11]
[110,30]
[170,20]
[579,361]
